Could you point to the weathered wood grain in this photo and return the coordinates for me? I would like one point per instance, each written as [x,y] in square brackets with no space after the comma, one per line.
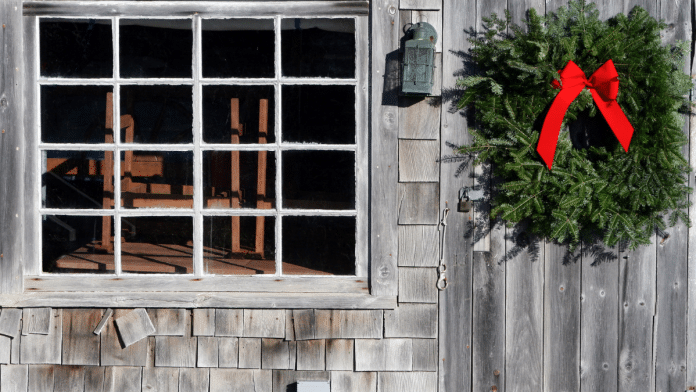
[229,322]
[69,378]
[43,349]
[12,151]
[9,322]
[435,19]
[420,4]
[418,160]
[418,203]
[482,209]
[36,321]
[40,378]
[94,378]
[414,381]
[14,378]
[208,351]
[264,323]
[122,378]
[418,246]
[598,326]
[561,320]
[348,324]
[194,379]
[168,322]
[425,355]
[275,354]
[353,381]
[419,118]
[173,351]
[133,326]
[383,355]
[102,323]
[15,347]
[112,353]
[339,354]
[160,379]
[80,344]
[289,325]
[691,312]
[228,352]
[240,380]
[311,355]
[304,324]
[5,350]
[636,311]
[203,322]
[292,350]
[384,149]
[285,380]
[249,353]
[411,321]
[418,285]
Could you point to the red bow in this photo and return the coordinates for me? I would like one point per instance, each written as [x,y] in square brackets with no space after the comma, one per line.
[604,85]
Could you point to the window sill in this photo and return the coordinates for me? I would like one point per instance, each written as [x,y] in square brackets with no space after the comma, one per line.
[194,292]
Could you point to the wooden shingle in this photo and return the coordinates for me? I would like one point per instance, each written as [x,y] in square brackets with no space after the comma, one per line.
[418,202]
[5,349]
[94,378]
[407,381]
[419,119]
[339,354]
[14,378]
[168,322]
[425,354]
[229,322]
[240,380]
[113,354]
[275,354]
[348,324]
[43,349]
[418,246]
[194,379]
[418,285]
[418,160]
[36,321]
[305,324]
[133,326]
[80,344]
[41,378]
[203,322]
[264,323]
[411,321]
[284,380]
[420,5]
[208,351]
[158,379]
[69,378]
[174,351]
[9,322]
[122,378]
[353,381]
[383,355]
[228,352]
[249,353]
[311,354]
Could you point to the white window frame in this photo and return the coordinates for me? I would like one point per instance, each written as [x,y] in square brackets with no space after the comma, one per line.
[199,289]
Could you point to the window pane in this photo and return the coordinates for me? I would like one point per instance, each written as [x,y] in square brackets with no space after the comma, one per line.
[157,179]
[156,114]
[77,179]
[238,114]
[156,48]
[239,179]
[319,180]
[157,245]
[319,114]
[242,48]
[239,245]
[76,114]
[80,48]
[73,244]
[318,48]
[318,245]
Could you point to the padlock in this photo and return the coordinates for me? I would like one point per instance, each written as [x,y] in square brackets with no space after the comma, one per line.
[464,205]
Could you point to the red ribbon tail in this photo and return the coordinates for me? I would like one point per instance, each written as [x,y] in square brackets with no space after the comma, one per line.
[616,119]
[548,139]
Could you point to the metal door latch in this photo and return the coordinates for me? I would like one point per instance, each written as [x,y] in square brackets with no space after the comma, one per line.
[467,197]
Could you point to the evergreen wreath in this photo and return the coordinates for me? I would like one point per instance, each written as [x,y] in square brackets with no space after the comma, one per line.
[595,189]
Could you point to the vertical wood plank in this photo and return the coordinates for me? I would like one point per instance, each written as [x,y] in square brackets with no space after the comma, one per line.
[160,379]
[228,352]
[194,379]
[80,344]
[43,349]
[41,378]
[203,322]
[691,312]
[249,353]
[12,151]
[384,169]
[455,305]
[14,378]
[599,322]
[561,321]
[339,354]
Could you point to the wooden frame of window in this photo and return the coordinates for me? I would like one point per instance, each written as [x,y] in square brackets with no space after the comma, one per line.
[198,289]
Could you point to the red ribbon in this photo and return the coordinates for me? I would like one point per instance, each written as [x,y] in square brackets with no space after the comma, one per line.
[604,86]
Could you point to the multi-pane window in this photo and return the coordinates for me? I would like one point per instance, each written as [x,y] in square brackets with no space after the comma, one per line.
[201,145]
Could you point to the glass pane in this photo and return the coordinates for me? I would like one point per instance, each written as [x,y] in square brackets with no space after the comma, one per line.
[76,114]
[319,180]
[73,244]
[157,245]
[151,48]
[242,48]
[156,114]
[318,245]
[318,47]
[239,179]
[319,114]
[157,179]
[239,245]
[77,179]
[79,48]
[238,114]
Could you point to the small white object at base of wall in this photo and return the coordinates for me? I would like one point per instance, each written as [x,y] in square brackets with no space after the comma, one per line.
[313,386]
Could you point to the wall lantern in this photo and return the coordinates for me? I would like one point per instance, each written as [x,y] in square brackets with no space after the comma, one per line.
[419,56]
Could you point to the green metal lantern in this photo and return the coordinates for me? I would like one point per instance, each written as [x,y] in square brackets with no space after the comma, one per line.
[419,54]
